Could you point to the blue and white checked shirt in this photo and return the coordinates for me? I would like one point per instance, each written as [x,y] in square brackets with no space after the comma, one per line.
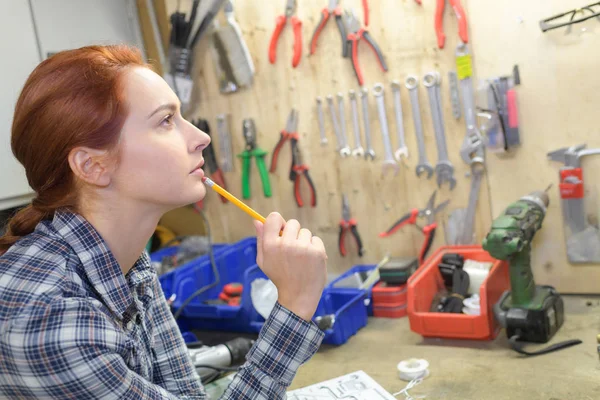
[73,326]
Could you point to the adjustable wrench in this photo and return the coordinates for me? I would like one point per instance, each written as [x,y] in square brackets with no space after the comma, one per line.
[402,149]
[389,161]
[345,147]
[443,169]
[412,83]
[358,149]
[344,151]
[472,150]
[321,121]
[369,153]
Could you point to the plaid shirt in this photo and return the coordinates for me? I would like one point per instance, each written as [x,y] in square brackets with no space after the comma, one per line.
[73,326]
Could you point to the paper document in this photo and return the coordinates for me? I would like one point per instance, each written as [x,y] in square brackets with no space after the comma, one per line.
[355,386]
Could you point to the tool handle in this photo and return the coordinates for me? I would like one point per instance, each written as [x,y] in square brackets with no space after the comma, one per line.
[462,20]
[297,27]
[264,175]
[342,29]
[408,218]
[276,150]
[318,29]
[245,175]
[376,49]
[365,5]
[429,232]
[359,244]
[341,244]
[511,103]
[279,24]
[303,170]
[353,38]
[439,21]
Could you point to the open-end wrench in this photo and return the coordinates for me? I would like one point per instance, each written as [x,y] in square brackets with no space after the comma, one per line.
[402,149]
[358,150]
[472,150]
[321,121]
[443,169]
[412,83]
[226,152]
[454,96]
[364,98]
[388,162]
[466,236]
[344,151]
[341,111]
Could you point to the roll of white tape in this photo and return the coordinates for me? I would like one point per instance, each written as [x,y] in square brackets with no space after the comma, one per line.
[413,368]
[471,305]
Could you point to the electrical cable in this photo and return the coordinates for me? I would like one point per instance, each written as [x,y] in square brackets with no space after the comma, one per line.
[518,347]
[460,289]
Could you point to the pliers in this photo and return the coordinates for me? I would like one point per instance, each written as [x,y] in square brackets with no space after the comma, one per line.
[290,132]
[355,33]
[210,161]
[290,10]
[332,8]
[249,131]
[429,230]
[348,224]
[297,170]
[460,16]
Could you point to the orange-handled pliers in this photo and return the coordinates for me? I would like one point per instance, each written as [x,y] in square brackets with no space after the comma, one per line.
[334,9]
[290,10]
[460,16]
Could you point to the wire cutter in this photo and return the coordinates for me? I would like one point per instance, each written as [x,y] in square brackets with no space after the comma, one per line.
[280,22]
[297,170]
[249,131]
[290,132]
[460,16]
[355,33]
[210,161]
[333,8]
[411,218]
[348,224]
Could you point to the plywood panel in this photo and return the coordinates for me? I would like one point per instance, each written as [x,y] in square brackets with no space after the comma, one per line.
[405,33]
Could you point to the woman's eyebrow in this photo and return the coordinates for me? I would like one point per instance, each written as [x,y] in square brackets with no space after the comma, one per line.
[170,106]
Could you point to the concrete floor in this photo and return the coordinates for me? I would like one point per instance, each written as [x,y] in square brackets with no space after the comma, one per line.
[467,369]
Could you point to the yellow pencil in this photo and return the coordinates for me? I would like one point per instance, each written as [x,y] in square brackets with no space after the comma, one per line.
[233,199]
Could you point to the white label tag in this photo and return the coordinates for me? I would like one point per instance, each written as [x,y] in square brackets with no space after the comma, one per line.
[182,88]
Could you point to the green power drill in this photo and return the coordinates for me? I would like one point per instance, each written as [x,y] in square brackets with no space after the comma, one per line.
[528,312]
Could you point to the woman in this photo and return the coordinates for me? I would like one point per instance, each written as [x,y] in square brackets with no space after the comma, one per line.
[82,314]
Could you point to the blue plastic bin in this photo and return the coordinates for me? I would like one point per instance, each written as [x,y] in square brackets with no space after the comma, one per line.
[350,272]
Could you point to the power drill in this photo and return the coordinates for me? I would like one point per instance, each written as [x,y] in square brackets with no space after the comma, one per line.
[528,312]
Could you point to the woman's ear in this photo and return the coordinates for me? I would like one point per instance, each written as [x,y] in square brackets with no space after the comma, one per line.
[91,165]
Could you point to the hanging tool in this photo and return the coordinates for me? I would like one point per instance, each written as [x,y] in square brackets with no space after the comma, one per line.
[443,169]
[528,312]
[332,8]
[365,5]
[210,161]
[225,147]
[439,20]
[355,33]
[461,222]
[412,83]
[280,22]
[348,224]
[454,96]
[321,118]
[388,162]
[358,150]
[249,131]
[289,133]
[428,230]
[343,148]
[298,170]
[341,107]
[364,97]
[402,149]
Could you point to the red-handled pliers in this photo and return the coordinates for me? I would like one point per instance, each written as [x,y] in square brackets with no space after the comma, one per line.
[333,8]
[460,16]
[290,10]
[348,224]
[298,170]
[411,218]
[355,33]
[289,133]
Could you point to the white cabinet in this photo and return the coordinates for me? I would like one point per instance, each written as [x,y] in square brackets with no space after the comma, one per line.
[30,34]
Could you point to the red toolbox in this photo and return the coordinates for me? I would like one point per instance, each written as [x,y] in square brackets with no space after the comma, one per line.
[383,293]
[427,281]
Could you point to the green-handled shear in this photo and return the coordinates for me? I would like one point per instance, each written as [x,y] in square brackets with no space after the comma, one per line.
[249,131]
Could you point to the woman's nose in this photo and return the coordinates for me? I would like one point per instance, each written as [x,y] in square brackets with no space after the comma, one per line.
[199,137]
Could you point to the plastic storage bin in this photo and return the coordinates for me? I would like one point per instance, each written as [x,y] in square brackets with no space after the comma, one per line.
[427,281]
[354,270]
[389,301]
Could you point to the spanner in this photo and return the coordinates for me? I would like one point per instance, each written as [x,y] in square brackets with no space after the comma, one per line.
[454,96]
[412,83]
[344,151]
[402,149]
[472,150]
[443,169]
[321,121]
[389,161]
[345,147]
[358,149]
[468,228]
[364,93]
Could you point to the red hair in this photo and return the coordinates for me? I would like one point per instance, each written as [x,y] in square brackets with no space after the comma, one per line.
[74,98]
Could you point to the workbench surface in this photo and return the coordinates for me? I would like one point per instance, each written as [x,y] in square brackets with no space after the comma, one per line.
[469,369]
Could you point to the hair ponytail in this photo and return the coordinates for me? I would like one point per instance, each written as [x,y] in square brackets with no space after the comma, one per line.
[21,224]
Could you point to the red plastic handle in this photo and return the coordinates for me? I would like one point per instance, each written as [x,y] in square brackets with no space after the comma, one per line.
[315,37]
[279,24]
[513,115]
[429,232]
[359,76]
[439,23]
[462,20]
[297,25]
[365,5]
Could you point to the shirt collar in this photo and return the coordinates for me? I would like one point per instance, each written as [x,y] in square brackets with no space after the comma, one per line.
[99,263]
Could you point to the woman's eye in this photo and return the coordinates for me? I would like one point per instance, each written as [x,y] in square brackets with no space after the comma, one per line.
[168,120]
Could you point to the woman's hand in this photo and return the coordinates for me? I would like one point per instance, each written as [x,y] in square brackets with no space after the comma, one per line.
[296,263]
